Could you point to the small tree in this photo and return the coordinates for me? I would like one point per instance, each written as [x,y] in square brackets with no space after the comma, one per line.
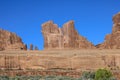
[31,46]
[103,74]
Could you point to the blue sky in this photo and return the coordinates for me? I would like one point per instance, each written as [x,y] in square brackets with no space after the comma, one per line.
[93,18]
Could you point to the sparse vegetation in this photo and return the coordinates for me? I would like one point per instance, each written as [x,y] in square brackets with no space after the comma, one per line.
[37,78]
[100,74]
[87,76]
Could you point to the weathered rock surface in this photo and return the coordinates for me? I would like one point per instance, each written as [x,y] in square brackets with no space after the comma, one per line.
[63,38]
[112,41]
[10,41]
[63,59]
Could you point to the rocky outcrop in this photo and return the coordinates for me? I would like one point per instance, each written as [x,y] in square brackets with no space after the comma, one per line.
[61,60]
[63,38]
[112,41]
[10,41]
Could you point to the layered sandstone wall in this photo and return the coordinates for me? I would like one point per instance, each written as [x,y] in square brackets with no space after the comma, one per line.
[76,60]
[10,41]
[63,38]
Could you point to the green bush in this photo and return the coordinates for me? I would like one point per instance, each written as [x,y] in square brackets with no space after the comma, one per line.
[103,74]
[100,74]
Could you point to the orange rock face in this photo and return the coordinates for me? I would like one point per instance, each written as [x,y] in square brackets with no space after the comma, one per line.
[63,38]
[112,41]
[10,41]
[61,59]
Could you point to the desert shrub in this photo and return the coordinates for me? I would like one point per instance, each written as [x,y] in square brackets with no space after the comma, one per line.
[18,78]
[59,78]
[87,76]
[25,78]
[100,74]
[103,74]
[65,78]
[4,78]
[112,78]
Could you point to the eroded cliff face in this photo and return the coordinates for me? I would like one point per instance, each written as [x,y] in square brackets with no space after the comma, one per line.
[63,59]
[10,41]
[63,38]
[112,41]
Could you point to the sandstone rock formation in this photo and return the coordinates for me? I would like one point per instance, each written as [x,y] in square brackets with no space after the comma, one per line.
[63,38]
[10,41]
[112,41]
[62,60]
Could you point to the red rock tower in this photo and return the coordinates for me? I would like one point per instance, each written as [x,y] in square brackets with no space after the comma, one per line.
[63,38]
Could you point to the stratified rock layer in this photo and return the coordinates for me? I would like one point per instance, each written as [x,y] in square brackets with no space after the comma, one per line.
[61,59]
[10,41]
[63,38]
[112,41]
